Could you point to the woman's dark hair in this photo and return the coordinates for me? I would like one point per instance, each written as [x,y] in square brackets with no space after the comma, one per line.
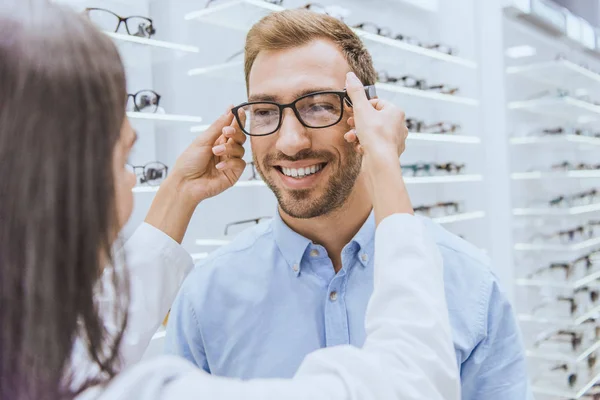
[62,104]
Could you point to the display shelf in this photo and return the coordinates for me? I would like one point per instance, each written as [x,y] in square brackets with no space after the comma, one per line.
[414,49]
[443,179]
[242,14]
[560,74]
[398,89]
[558,247]
[460,217]
[199,256]
[569,358]
[557,139]
[562,393]
[212,242]
[571,322]
[163,117]
[231,69]
[152,42]
[549,212]
[566,108]
[145,189]
[595,173]
[576,284]
[253,183]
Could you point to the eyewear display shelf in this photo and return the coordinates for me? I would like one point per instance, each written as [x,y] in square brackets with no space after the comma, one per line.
[242,14]
[553,74]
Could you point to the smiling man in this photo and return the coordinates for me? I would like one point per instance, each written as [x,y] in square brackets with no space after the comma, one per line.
[258,306]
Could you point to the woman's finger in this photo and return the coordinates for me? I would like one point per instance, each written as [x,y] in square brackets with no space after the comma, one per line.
[232,164]
[234,132]
[350,136]
[229,149]
[351,121]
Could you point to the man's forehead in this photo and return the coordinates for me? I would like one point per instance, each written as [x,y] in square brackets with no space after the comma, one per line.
[286,73]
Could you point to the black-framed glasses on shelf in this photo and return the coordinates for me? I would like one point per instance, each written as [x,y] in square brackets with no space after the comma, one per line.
[419,126]
[371,27]
[145,101]
[430,168]
[571,376]
[314,110]
[572,302]
[134,25]
[151,174]
[255,221]
[568,166]
[333,11]
[446,208]
[584,263]
[573,337]
[585,197]
[412,82]
[581,232]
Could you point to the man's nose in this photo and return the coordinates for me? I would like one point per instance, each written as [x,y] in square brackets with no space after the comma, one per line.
[293,137]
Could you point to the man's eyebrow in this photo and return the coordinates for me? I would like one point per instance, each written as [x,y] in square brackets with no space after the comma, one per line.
[275,98]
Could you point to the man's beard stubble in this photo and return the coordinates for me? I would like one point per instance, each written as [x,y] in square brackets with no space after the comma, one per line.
[299,203]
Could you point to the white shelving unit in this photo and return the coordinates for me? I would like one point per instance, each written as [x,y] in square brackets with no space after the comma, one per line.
[145,189]
[558,247]
[558,74]
[555,175]
[568,358]
[564,108]
[163,117]
[556,212]
[554,392]
[467,216]
[426,94]
[558,139]
[560,321]
[572,285]
[119,37]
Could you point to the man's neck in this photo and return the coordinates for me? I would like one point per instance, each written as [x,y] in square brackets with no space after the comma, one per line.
[334,230]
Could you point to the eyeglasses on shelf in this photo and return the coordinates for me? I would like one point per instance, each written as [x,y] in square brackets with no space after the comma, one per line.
[134,26]
[581,198]
[151,174]
[567,236]
[557,131]
[432,168]
[313,110]
[569,270]
[438,209]
[255,221]
[412,82]
[145,101]
[568,166]
[419,126]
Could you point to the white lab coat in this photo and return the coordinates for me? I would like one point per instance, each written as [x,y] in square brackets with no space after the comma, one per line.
[408,353]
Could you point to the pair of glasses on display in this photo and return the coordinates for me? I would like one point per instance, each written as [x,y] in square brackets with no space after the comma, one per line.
[255,221]
[411,82]
[568,166]
[134,26]
[567,236]
[583,198]
[562,57]
[433,168]
[576,268]
[151,174]
[313,110]
[418,126]
[574,302]
[145,101]
[563,131]
[386,32]
[438,209]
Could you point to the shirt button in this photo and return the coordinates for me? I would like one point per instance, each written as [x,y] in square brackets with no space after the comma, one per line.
[364,257]
[314,252]
[295,267]
[333,296]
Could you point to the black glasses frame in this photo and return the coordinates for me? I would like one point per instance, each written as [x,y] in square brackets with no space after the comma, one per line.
[145,175]
[134,96]
[370,91]
[150,30]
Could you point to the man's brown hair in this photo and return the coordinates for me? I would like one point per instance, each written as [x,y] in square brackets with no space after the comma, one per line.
[293,28]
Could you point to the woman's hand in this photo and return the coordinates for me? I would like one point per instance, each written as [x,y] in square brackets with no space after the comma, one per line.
[379,134]
[209,166]
[213,162]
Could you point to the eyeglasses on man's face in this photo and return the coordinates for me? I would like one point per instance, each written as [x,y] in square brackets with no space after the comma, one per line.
[143,101]
[314,110]
[151,174]
[134,25]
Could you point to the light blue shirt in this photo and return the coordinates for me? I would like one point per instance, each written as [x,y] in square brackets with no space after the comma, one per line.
[257,307]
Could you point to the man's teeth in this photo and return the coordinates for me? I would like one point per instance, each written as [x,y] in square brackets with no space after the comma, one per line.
[301,172]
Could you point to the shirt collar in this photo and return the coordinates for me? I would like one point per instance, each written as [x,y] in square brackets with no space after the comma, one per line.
[293,245]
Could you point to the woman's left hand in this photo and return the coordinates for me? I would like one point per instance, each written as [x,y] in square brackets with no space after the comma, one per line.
[213,162]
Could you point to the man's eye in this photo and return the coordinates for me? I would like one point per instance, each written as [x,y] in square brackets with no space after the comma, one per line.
[321,107]
[264,113]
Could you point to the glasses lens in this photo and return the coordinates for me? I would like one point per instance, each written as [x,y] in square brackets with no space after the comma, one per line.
[259,119]
[104,19]
[320,110]
[146,101]
[138,26]
[154,174]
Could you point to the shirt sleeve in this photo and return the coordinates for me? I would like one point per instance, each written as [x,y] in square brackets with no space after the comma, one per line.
[408,354]
[497,366]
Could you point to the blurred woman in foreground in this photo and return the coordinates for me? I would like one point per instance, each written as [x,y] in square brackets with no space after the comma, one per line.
[76,316]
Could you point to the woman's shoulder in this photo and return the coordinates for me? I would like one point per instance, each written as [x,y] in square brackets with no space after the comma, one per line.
[143,381]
